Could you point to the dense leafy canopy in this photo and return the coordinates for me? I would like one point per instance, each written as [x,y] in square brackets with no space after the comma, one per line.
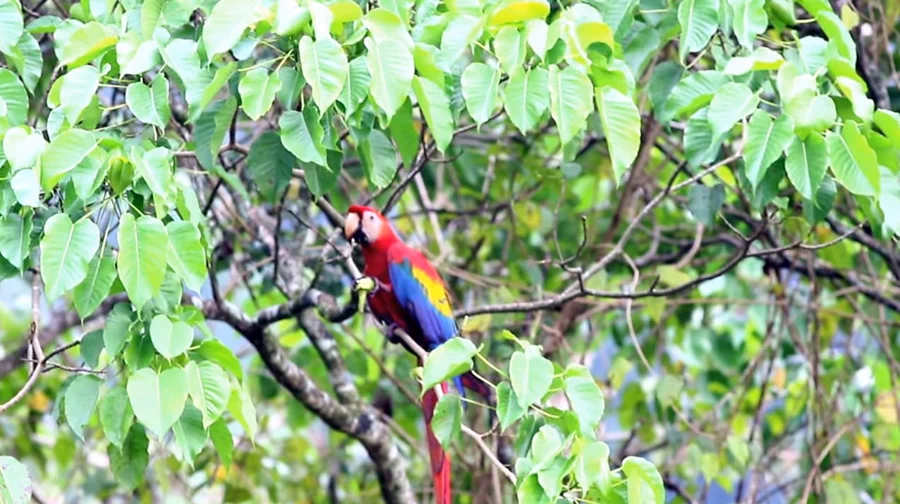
[670,227]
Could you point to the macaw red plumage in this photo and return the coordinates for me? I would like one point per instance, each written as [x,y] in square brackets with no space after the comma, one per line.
[410,295]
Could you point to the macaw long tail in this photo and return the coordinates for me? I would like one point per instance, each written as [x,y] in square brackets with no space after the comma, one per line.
[473,383]
[440,461]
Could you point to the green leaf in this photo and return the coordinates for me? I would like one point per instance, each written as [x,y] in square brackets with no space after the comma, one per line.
[202,92]
[222,440]
[853,162]
[838,35]
[290,18]
[526,98]
[135,55]
[644,482]
[461,31]
[693,93]
[64,153]
[209,388]
[190,434]
[90,348]
[151,11]
[322,19]
[88,42]
[241,407]
[517,11]
[26,188]
[13,98]
[15,239]
[292,85]
[888,200]
[581,26]
[888,122]
[550,478]
[621,122]
[699,20]
[129,463]
[142,257]
[447,420]
[116,416]
[81,397]
[663,80]
[545,446]
[592,466]
[15,483]
[570,101]
[95,288]
[587,400]
[27,59]
[750,20]
[356,89]
[815,211]
[404,133]
[325,68]
[863,106]
[226,24]
[509,47]
[258,89]
[811,113]
[806,164]
[150,104]
[23,148]
[185,254]
[391,67]
[158,399]
[66,252]
[539,37]
[530,374]
[480,87]
[210,130]
[668,389]
[792,82]
[699,145]
[170,339]
[705,202]
[530,491]
[766,140]
[435,108]
[839,489]
[378,157]
[11,27]
[270,164]
[385,25]
[116,331]
[453,358]
[762,58]
[217,352]
[302,135]
[731,103]
[508,409]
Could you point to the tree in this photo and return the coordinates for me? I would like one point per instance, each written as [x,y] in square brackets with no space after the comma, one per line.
[670,229]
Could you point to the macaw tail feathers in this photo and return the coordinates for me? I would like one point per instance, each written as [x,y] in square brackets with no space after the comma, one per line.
[473,383]
[440,461]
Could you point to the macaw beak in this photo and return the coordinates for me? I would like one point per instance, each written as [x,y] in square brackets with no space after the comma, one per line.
[353,231]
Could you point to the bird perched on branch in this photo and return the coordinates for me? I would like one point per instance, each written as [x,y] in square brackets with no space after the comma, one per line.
[410,295]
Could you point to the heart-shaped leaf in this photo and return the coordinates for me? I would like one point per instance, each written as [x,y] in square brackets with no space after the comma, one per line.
[158,399]
[170,339]
[66,252]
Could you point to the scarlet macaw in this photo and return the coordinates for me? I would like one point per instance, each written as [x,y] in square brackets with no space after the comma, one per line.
[410,295]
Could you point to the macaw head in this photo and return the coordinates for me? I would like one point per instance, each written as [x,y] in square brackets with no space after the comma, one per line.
[367,227]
